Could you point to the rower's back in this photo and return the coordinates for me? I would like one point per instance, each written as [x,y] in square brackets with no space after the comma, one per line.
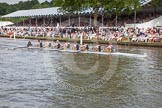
[99,48]
[77,46]
[29,44]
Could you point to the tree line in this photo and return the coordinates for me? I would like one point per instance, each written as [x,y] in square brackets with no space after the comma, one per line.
[30,4]
[71,6]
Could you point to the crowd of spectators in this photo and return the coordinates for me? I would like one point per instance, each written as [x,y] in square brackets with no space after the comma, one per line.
[118,34]
[49,26]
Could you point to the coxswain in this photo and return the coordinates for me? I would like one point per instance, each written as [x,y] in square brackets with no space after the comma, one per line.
[29,44]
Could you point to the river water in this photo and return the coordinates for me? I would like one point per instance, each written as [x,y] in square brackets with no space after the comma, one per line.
[39,78]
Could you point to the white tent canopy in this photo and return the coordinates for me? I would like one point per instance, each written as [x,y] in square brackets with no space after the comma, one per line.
[35,12]
[5,23]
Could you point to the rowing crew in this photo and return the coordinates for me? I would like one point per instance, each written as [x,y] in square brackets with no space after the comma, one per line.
[76,46]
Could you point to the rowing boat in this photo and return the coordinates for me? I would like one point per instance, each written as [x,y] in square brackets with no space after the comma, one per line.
[92,52]
[116,53]
[106,53]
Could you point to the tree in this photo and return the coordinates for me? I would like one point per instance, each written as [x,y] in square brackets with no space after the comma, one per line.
[76,6]
[46,4]
[36,6]
[114,6]
[156,3]
[3,8]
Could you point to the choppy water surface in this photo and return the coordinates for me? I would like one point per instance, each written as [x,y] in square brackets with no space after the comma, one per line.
[36,78]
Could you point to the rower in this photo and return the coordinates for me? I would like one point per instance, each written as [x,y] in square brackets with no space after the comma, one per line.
[29,44]
[109,48]
[39,44]
[57,45]
[49,45]
[46,45]
[97,48]
[76,46]
[66,45]
[85,47]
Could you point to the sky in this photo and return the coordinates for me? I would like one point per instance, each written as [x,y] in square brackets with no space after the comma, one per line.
[16,1]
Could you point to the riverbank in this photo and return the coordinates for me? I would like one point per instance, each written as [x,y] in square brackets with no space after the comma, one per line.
[146,44]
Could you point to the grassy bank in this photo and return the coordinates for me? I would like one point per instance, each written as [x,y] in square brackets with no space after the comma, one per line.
[146,44]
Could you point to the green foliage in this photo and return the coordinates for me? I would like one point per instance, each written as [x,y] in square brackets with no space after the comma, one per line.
[74,6]
[3,8]
[46,4]
[156,2]
[70,6]
[14,20]
[30,4]
[109,6]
